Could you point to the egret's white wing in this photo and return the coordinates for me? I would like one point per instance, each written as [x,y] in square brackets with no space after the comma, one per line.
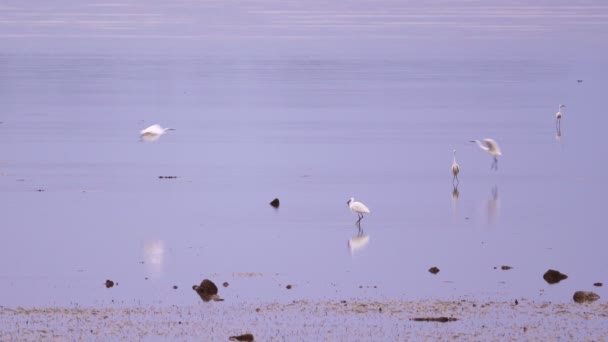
[359,207]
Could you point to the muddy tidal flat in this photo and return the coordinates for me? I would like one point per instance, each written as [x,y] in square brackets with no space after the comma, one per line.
[339,320]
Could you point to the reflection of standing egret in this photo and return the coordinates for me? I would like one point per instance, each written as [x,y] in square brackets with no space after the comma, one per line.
[153,132]
[490,146]
[357,242]
[455,170]
[558,117]
[154,255]
[358,208]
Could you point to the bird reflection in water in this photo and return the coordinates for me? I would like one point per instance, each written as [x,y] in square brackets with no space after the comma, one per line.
[154,257]
[493,205]
[357,242]
[455,195]
[558,135]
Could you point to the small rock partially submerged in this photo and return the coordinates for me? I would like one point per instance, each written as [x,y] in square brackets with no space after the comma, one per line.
[275,203]
[167,177]
[434,270]
[244,337]
[434,319]
[225,284]
[585,297]
[554,277]
[598,284]
[207,291]
[505,267]
[109,283]
[288,287]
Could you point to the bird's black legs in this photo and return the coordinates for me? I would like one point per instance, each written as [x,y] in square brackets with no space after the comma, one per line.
[494,164]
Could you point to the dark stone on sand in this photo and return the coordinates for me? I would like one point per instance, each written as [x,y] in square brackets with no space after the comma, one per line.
[109,283]
[554,277]
[167,177]
[175,287]
[505,268]
[275,203]
[288,287]
[225,284]
[434,319]
[245,337]
[207,291]
[598,284]
[434,270]
[585,297]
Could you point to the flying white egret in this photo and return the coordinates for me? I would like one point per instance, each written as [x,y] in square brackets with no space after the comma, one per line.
[153,132]
[455,169]
[490,146]
[357,207]
[558,117]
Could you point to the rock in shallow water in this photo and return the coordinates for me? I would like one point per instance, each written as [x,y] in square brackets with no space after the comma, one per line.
[244,337]
[275,203]
[554,277]
[207,291]
[434,270]
[585,297]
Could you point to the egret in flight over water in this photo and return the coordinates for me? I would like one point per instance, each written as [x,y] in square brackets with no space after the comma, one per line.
[357,207]
[558,117]
[153,132]
[490,146]
[455,170]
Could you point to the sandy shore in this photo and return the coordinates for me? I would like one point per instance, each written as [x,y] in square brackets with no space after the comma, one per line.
[312,321]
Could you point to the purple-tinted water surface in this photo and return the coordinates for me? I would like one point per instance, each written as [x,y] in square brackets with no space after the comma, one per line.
[312,103]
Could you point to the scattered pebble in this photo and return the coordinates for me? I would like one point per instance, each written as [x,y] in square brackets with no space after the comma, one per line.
[434,319]
[554,277]
[505,268]
[245,337]
[175,287]
[434,270]
[288,287]
[207,291]
[109,283]
[585,297]
[275,203]
[598,284]
[225,284]
[167,177]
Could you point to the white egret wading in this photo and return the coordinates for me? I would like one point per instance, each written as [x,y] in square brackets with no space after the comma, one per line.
[455,170]
[153,132]
[358,208]
[490,146]
[558,117]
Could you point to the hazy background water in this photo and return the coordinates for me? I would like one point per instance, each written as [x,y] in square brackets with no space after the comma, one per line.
[312,103]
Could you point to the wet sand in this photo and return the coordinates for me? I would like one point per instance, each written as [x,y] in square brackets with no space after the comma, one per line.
[300,320]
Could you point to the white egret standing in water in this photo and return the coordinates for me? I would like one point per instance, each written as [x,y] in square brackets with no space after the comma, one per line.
[153,132]
[558,117]
[357,207]
[490,146]
[455,170]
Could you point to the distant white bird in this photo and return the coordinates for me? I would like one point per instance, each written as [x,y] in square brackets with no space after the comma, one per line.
[455,169]
[558,117]
[357,207]
[153,132]
[490,146]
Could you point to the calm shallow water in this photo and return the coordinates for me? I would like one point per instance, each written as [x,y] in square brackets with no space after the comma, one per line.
[312,105]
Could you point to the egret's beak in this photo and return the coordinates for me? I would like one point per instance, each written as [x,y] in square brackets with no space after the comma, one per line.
[471,140]
[171,129]
[348,202]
